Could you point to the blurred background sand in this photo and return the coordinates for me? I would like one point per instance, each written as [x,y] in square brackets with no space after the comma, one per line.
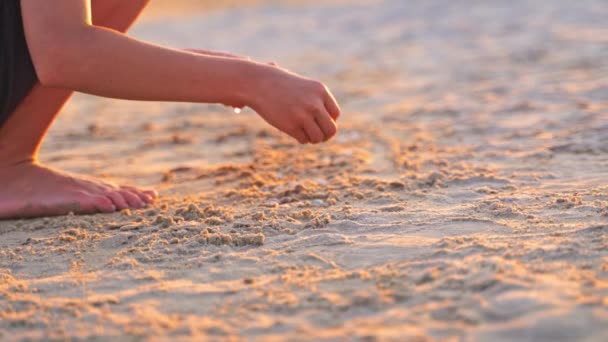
[464,199]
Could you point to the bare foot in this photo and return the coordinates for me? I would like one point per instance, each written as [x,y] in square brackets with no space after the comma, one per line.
[33,190]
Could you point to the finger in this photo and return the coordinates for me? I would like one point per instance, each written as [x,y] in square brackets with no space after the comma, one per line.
[332,105]
[327,124]
[314,132]
[300,136]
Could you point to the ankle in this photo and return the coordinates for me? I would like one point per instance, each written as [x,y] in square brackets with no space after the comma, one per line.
[13,155]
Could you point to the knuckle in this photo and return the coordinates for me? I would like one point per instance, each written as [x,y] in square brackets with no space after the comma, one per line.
[311,107]
[318,110]
[318,87]
[301,120]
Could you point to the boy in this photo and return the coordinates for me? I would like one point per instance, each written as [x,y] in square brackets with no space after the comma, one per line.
[52,48]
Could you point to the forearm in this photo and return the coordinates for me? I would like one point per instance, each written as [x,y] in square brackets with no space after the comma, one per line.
[217,53]
[107,63]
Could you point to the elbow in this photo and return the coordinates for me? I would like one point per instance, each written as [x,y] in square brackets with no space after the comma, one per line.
[56,67]
[49,72]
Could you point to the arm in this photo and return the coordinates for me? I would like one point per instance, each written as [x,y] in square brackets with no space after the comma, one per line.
[216,53]
[68,51]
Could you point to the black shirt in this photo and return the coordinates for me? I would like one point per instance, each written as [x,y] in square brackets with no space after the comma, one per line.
[17,73]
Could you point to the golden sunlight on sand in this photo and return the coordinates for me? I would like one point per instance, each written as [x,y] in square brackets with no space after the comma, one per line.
[465,197]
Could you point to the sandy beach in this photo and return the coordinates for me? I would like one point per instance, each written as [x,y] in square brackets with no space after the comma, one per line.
[464,199]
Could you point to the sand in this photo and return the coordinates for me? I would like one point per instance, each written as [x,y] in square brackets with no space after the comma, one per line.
[466,197]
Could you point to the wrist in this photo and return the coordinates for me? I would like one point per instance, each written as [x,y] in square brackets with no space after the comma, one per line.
[250,80]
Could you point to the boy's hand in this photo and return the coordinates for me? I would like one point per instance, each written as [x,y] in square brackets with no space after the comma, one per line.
[303,108]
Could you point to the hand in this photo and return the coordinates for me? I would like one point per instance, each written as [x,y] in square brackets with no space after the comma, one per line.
[303,108]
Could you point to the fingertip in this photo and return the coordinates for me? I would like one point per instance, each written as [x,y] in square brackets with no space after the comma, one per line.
[337,112]
[332,106]
[300,136]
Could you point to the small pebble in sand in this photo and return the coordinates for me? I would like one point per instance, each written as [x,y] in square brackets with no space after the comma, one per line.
[397,185]
[248,281]
[359,195]
[214,221]
[392,208]
[149,127]
[130,226]
[94,129]
[321,181]
[272,203]
[241,225]
[318,202]
[178,139]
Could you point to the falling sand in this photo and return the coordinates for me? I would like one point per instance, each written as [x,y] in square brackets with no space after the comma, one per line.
[465,198]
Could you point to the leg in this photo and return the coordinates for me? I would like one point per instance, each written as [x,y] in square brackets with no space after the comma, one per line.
[30,189]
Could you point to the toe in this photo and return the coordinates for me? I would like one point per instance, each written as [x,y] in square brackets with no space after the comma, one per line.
[152,193]
[118,200]
[103,204]
[132,199]
[82,203]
